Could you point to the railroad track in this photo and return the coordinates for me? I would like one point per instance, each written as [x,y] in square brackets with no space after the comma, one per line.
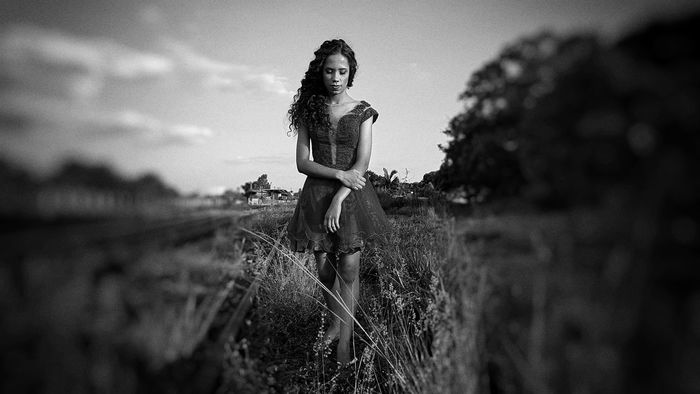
[120,232]
[210,353]
[42,263]
[200,372]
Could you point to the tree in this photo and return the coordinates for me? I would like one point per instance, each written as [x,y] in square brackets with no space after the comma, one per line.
[430,178]
[247,187]
[96,176]
[614,114]
[102,177]
[482,157]
[150,184]
[262,182]
[390,180]
[564,120]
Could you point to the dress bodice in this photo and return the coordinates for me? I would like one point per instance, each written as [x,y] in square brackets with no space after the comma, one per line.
[361,217]
[337,147]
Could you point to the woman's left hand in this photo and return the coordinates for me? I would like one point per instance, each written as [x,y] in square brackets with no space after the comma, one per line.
[332,218]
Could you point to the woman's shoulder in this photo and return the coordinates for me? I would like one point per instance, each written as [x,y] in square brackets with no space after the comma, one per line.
[363,106]
[363,103]
[366,111]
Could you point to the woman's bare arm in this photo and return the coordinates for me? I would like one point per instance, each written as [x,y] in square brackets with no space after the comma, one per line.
[364,151]
[351,179]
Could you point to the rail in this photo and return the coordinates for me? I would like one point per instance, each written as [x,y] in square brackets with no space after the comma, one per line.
[128,232]
[54,276]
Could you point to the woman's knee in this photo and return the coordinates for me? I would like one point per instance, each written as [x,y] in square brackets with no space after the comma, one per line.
[326,269]
[349,267]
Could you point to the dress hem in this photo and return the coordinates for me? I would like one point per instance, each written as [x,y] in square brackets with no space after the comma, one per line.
[303,246]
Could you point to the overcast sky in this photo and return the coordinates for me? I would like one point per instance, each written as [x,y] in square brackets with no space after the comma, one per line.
[198,91]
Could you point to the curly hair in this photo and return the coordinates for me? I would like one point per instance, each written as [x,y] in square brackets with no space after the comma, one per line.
[309,106]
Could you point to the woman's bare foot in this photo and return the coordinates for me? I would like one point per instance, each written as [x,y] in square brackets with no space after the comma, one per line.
[332,332]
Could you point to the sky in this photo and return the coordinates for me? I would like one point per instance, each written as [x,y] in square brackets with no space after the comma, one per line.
[198,91]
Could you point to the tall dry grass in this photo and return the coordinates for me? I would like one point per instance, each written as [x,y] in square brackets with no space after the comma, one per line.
[179,293]
[412,334]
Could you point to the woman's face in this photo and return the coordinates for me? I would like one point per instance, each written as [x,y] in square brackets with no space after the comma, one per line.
[336,71]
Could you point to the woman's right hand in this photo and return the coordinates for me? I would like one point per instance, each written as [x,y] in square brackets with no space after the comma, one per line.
[352,179]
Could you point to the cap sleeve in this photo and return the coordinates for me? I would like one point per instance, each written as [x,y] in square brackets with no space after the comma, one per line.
[369,112]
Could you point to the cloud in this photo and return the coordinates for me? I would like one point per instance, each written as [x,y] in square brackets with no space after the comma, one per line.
[265,82]
[45,113]
[196,62]
[225,76]
[51,61]
[60,64]
[148,129]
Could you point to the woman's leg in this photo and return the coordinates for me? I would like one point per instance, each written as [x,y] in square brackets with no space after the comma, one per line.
[349,281]
[327,267]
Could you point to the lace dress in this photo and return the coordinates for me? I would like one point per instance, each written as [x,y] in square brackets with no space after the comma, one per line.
[361,217]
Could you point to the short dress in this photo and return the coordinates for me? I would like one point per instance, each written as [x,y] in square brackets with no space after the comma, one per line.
[362,218]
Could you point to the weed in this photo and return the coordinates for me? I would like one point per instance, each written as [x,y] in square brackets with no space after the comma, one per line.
[403,321]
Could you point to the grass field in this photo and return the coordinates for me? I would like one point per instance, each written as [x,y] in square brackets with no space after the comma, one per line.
[500,303]
[406,332]
[511,302]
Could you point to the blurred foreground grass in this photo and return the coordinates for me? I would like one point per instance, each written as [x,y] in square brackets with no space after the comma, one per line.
[109,318]
[572,301]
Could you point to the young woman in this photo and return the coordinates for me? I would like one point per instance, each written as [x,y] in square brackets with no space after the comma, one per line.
[338,210]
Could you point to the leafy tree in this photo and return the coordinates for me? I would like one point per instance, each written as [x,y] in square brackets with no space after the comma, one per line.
[150,184]
[566,120]
[262,182]
[619,131]
[97,176]
[102,177]
[430,178]
[390,180]
[248,186]
[613,127]
[616,118]
[482,157]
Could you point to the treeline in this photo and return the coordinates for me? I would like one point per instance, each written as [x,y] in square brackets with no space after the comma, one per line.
[567,120]
[74,184]
[78,174]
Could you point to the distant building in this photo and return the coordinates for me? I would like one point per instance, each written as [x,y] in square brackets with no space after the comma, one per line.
[269,196]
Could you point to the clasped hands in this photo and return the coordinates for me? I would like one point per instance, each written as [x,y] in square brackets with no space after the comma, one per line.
[352,179]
